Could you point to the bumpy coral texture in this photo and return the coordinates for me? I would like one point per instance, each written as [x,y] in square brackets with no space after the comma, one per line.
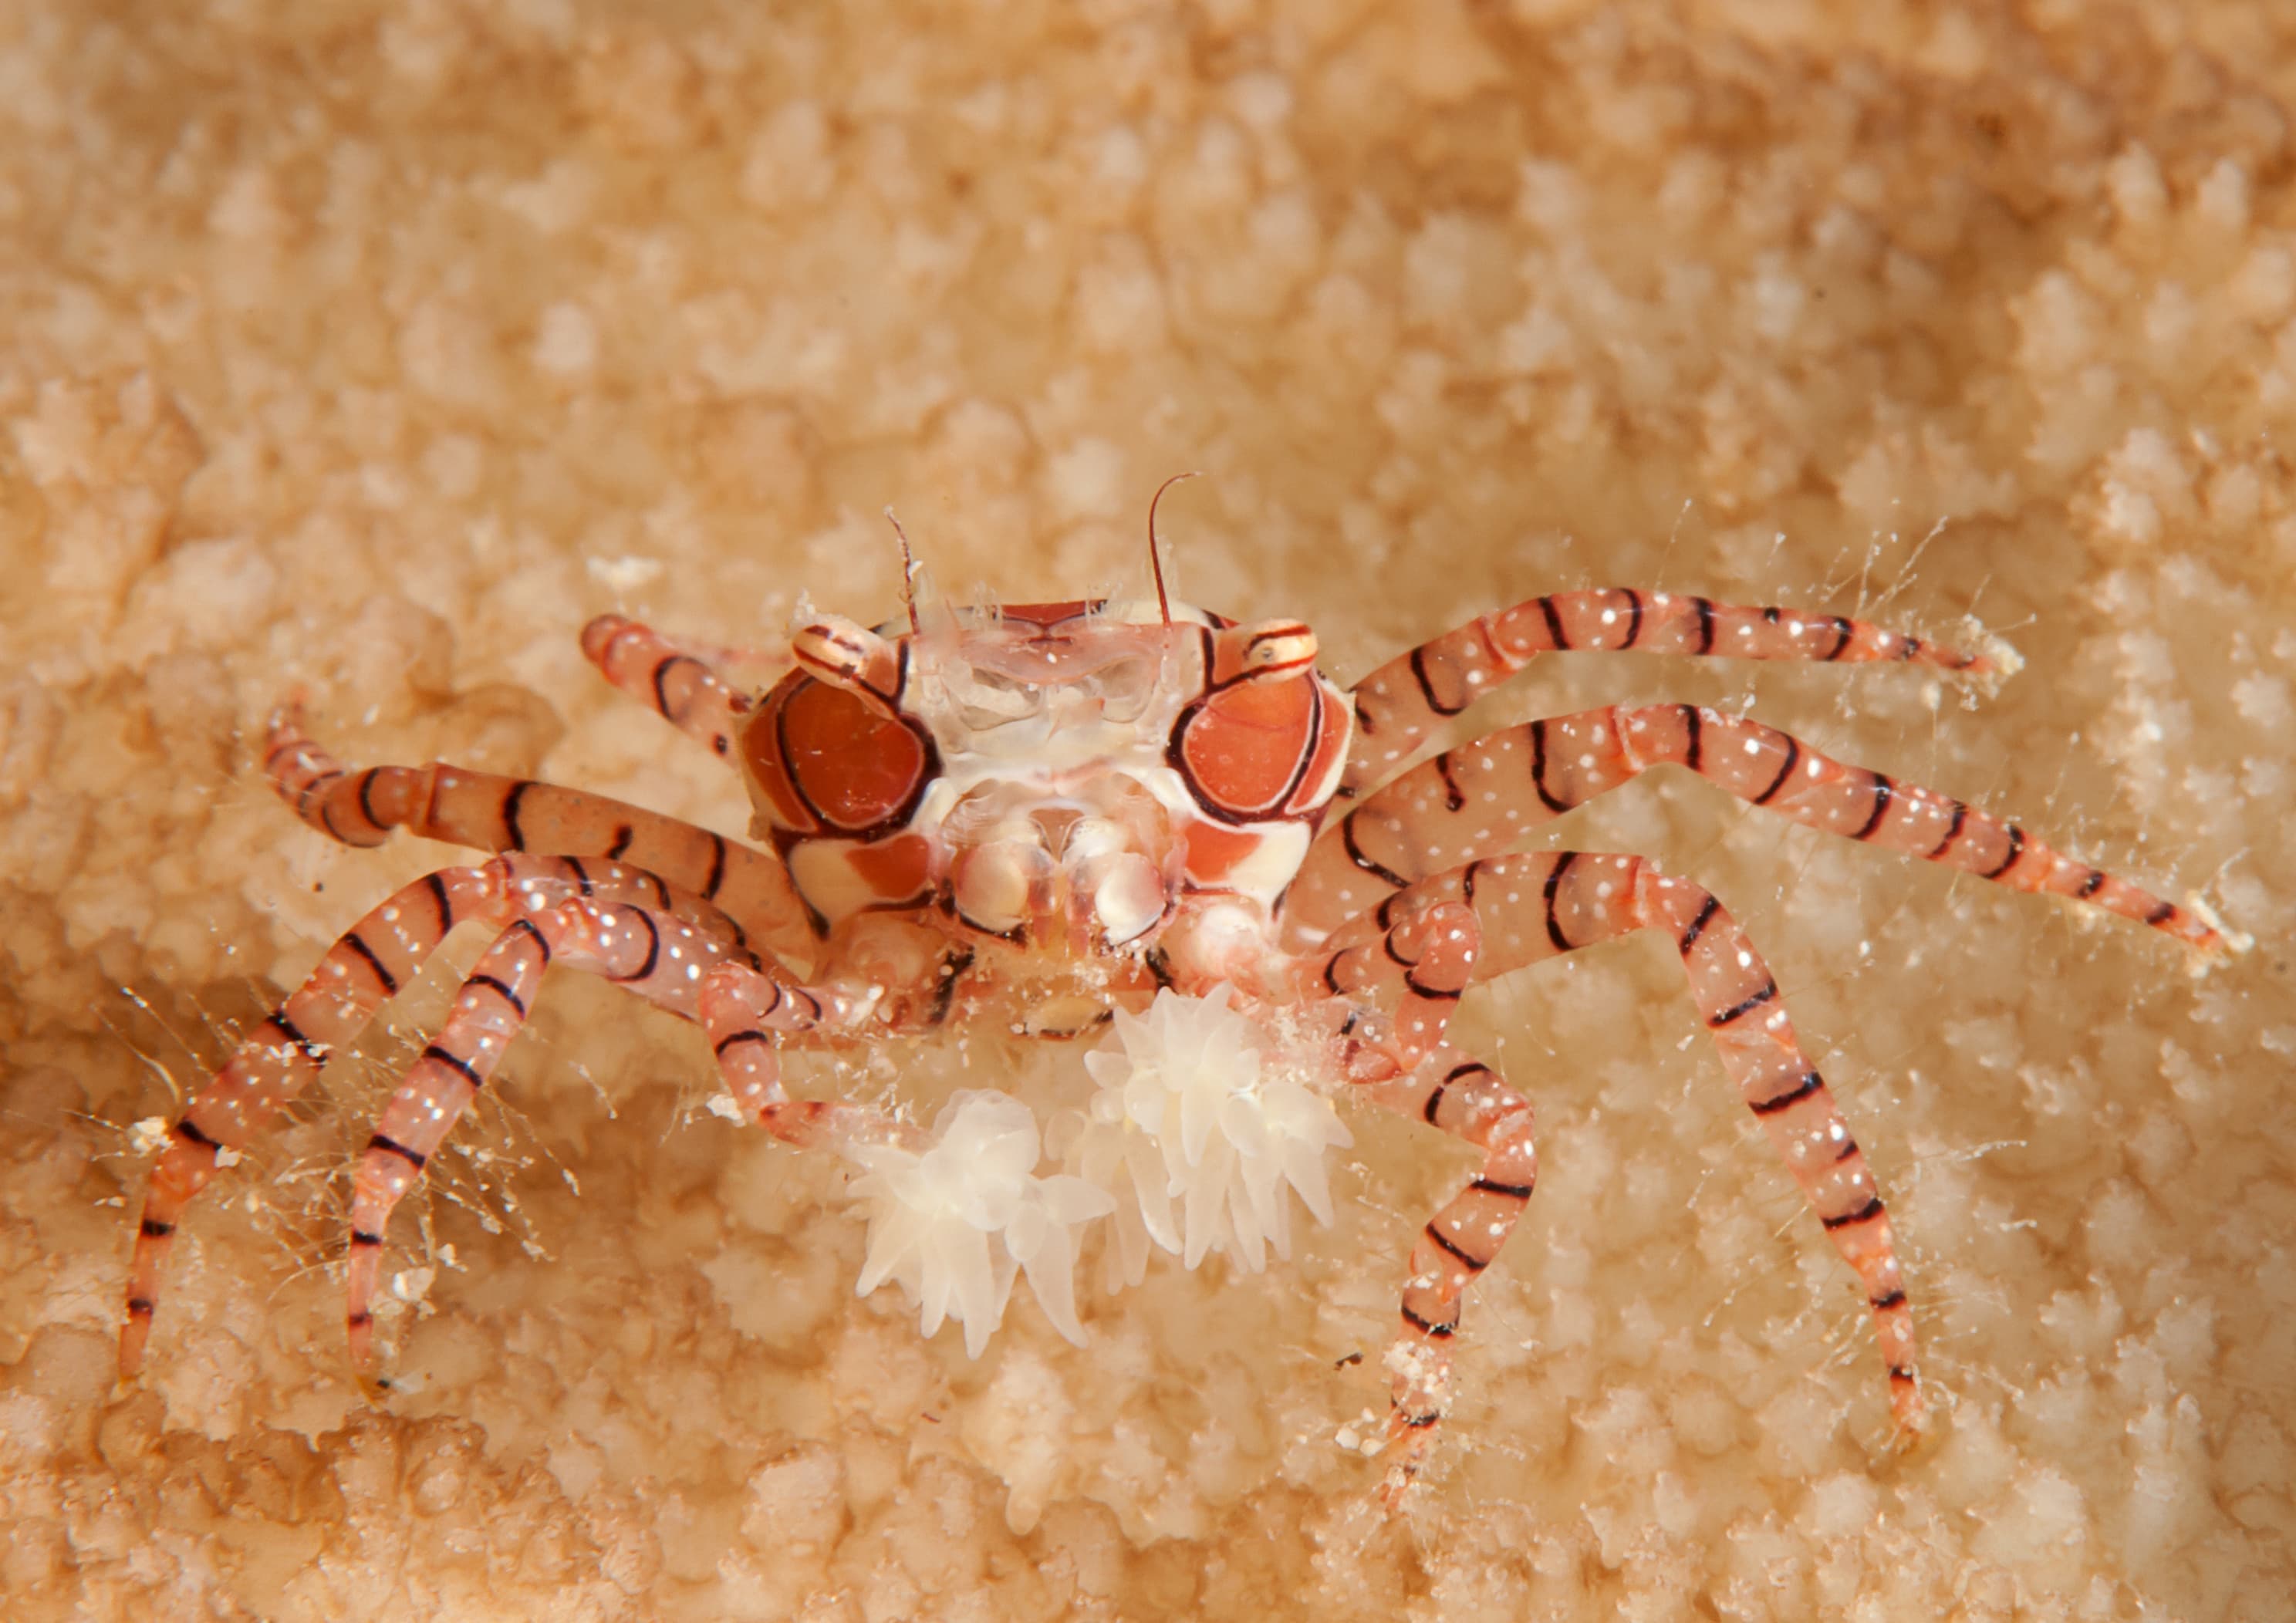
[369,347]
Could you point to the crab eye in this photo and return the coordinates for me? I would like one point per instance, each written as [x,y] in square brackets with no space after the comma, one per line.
[1244,748]
[825,756]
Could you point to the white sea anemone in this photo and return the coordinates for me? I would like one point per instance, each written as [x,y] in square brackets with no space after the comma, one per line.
[1189,1110]
[955,1223]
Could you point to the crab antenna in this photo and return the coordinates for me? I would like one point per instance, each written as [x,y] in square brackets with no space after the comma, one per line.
[909,572]
[1155,559]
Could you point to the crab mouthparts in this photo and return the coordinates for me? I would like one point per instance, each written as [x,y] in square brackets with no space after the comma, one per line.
[1062,872]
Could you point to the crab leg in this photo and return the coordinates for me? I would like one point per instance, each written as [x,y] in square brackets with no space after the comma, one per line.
[1481,798]
[750,1016]
[1539,907]
[282,1055]
[499,814]
[647,949]
[1410,698]
[1425,964]
[683,689]
[1467,1099]
[353,978]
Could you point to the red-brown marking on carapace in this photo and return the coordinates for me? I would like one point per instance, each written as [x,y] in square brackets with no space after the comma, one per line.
[1246,751]
[844,766]
[975,816]
[1051,617]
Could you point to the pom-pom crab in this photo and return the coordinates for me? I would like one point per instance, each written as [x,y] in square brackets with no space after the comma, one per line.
[1047,817]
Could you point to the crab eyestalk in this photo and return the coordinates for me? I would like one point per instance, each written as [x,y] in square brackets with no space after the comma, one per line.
[845,654]
[1267,651]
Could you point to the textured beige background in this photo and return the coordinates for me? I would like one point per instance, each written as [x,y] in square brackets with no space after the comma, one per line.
[373,347]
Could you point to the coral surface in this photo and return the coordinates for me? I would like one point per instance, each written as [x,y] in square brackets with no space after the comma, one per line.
[369,348]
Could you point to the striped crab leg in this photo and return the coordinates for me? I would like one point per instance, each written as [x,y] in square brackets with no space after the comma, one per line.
[282,1055]
[364,970]
[1481,798]
[672,677]
[750,1017]
[1408,700]
[613,931]
[1403,984]
[1532,908]
[1455,1094]
[492,813]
